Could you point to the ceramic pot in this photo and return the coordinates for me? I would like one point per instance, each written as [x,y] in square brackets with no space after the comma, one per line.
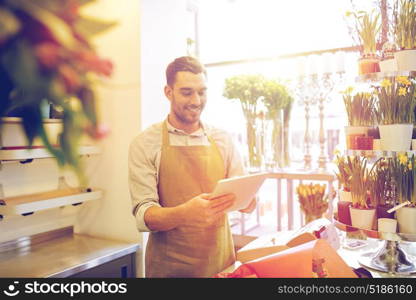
[413,144]
[388,65]
[386,225]
[406,60]
[351,132]
[368,65]
[396,137]
[406,218]
[362,218]
[376,144]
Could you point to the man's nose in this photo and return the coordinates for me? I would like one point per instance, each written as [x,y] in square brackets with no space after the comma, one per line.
[196,99]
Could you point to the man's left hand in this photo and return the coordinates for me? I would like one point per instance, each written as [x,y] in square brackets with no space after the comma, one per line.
[250,207]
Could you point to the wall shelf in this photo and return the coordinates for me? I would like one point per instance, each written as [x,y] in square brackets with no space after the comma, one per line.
[378,153]
[382,75]
[25,154]
[27,204]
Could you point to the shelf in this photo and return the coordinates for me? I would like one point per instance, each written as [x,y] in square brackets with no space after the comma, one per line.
[378,153]
[24,154]
[27,204]
[381,75]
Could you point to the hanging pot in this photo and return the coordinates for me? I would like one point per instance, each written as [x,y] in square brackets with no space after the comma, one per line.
[396,137]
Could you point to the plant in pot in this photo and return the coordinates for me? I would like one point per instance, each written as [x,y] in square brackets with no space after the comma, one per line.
[404,27]
[362,210]
[365,31]
[344,190]
[360,112]
[313,201]
[395,112]
[46,58]
[278,103]
[404,172]
[382,189]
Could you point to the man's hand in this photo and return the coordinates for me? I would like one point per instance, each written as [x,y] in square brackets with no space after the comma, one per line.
[202,211]
[250,207]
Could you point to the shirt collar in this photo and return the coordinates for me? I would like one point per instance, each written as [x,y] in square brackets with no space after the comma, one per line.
[198,133]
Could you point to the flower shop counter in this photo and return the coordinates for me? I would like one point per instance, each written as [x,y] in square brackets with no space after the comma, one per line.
[63,253]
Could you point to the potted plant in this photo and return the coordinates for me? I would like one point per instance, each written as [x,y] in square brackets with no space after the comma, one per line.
[360,112]
[388,63]
[262,100]
[344,190]
[404,16]
[313,201]
[395,112]
[382,189]
[367,27]
[404,172]
[362,210]
[46,59]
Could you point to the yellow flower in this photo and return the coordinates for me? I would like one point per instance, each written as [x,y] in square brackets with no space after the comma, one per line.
[402,91]
[348,90]
[403,159]
[385,83]
[410,165]
[403,80]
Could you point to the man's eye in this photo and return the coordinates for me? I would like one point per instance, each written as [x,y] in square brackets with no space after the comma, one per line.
[187,93]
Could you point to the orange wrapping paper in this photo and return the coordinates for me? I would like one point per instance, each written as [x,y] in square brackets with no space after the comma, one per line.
[295,262]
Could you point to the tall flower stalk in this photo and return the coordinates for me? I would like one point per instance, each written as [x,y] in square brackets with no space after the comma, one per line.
[359,107]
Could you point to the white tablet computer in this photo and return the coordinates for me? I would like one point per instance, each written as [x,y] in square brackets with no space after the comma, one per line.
[243,187]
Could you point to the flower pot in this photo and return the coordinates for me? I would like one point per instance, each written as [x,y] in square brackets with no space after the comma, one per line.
[376,144]
[396,137]
[406,60]
[362,218]
[406,218]
[382,211]
[413,144]
[388,65]
[368,65]
[364,142]
[386,225]
[12,135]
[351,132]
[344,215]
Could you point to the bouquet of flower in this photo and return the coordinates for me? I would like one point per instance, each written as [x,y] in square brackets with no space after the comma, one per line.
[312,199]
[359,107]
[46,59]
[396,101]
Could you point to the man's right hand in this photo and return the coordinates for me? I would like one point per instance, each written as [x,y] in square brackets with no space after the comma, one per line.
[202,211]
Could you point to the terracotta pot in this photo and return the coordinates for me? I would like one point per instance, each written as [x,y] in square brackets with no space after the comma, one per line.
[396,137]
[362,218]
[368,65]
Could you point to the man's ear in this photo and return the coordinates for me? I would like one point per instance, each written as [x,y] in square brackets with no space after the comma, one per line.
[168,92]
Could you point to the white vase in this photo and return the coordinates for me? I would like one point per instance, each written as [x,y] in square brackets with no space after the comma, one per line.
[386,225]
[388,65]
[406,60]
[406,218]
[396,137]
[413,144]
[362,218]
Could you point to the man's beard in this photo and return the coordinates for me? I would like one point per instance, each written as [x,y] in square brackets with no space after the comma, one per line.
[188,114]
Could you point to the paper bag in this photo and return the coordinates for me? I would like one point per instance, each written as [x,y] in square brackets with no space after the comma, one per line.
[312,259]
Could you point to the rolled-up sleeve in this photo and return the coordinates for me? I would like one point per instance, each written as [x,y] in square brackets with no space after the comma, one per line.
[142,181]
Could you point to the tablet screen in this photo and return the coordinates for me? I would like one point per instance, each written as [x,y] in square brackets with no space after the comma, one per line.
[243,187]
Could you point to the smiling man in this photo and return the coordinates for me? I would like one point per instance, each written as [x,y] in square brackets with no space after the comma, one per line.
[173,166]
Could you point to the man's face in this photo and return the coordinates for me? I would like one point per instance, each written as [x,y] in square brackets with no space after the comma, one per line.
[187,96]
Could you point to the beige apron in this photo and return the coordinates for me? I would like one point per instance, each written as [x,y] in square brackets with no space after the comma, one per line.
[185,172]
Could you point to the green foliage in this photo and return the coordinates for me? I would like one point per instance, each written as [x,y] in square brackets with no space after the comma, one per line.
[403,171]
[45,55]
[360,108]
[405,24]
[367,27]
[396,101]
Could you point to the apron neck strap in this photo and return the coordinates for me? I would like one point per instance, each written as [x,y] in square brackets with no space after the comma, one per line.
[165,135]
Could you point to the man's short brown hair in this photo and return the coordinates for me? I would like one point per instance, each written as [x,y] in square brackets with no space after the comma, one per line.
[183,64]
